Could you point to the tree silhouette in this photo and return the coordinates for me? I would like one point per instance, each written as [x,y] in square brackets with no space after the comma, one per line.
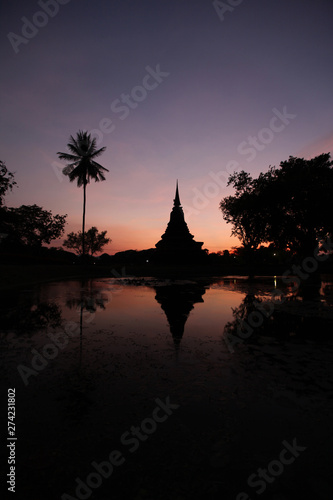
[82,166]
[93,240]
[300,211]
[244,210]
[35,226]
[6,181]
[289,206]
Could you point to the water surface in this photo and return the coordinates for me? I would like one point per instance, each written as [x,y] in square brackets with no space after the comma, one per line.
[101,351]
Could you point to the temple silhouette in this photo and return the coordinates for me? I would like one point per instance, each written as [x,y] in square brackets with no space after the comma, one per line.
[177,244]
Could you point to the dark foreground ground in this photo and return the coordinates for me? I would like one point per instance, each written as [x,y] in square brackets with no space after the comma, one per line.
[230,422]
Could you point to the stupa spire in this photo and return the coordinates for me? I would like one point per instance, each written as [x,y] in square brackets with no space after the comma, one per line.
[176,201]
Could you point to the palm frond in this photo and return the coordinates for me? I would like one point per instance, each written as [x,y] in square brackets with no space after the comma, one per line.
[97,165]
[92,145]
[97,153]
[68,157]
[74,149]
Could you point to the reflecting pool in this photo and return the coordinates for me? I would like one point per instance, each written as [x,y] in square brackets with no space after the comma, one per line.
[245,366]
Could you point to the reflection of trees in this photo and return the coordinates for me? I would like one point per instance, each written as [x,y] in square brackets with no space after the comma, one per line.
[177,302]
[296,317]
[25,314]
[241,314]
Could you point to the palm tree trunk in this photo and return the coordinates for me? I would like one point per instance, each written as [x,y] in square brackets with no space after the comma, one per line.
[84,217]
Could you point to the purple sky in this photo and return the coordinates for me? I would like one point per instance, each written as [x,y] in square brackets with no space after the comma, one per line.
[224,85]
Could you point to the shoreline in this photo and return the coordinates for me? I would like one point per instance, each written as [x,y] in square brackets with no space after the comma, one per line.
[18,276]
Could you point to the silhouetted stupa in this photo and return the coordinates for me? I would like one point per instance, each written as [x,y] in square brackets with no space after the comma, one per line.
[177,244]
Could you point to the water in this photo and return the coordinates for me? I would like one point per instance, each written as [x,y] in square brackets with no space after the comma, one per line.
[89,359]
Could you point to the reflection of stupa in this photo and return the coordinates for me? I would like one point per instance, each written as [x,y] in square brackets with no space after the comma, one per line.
[177,244]
[177,303]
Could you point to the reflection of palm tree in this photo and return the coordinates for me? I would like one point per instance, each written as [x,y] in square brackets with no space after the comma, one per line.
[82,166]
[177,302]
[89,299]
[88,302]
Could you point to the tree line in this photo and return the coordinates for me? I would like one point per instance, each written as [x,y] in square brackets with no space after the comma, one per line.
[286,209]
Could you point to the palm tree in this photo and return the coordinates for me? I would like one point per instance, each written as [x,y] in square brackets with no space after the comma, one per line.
[82,166]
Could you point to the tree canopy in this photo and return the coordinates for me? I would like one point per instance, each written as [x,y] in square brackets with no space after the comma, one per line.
[244,210]
[82,165]
[289,206]
[6,181]
[34,226]
[93,240]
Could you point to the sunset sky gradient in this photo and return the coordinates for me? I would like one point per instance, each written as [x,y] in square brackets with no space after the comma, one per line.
[224,81]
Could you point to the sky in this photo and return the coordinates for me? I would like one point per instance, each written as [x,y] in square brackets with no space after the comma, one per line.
[174,89]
